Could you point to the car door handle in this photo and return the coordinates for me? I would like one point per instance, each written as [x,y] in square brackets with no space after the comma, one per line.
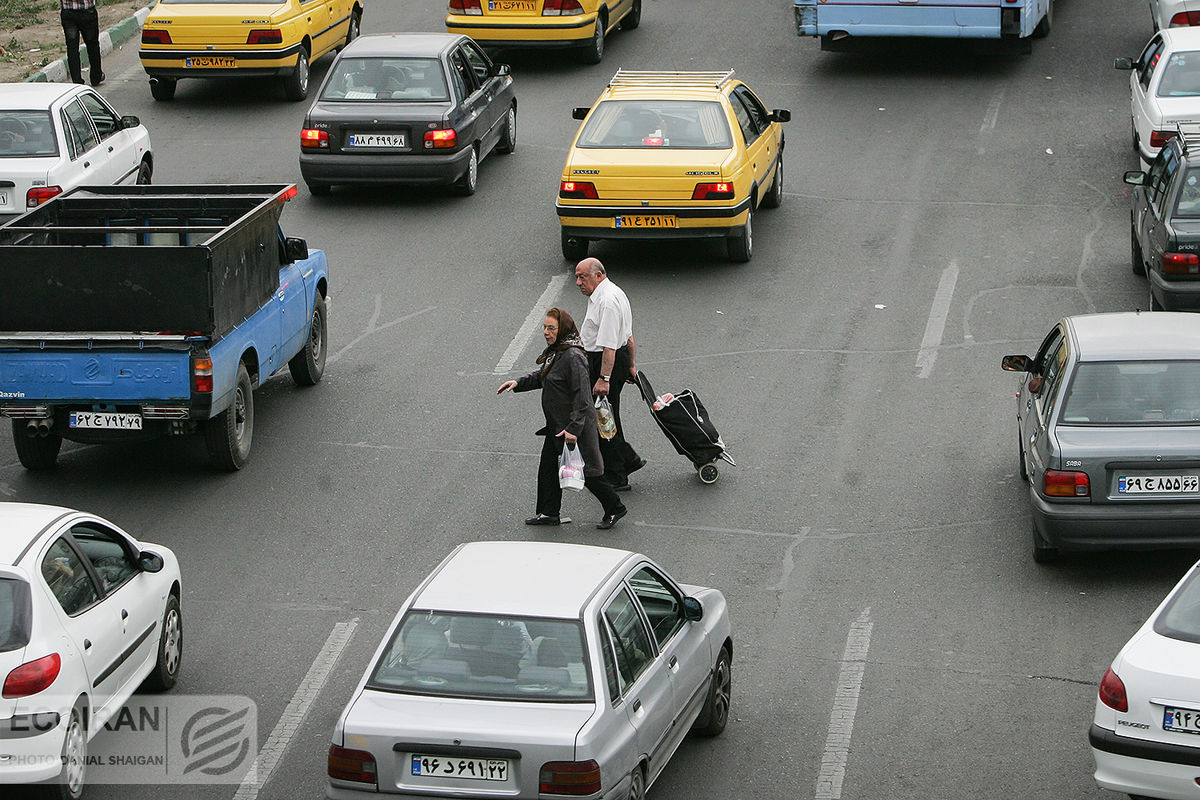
[87,164]
[110,148]
[637,705]
[124,614]
[674,660]
[87,644]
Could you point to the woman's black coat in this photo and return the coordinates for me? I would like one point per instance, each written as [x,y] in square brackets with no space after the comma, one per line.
[567,403]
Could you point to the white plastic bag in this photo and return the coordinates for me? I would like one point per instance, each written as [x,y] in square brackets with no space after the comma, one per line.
[604,418]
[570,468]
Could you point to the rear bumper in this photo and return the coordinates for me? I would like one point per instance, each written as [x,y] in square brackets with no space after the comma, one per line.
[1174,295]
[30,750]
[250,63]
[1138,767]
[720,232]
[1113,526]
[694,222]
[869,19]
[334,168]
[524,31]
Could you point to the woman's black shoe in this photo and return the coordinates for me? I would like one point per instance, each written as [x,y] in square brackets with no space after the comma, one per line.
[542,520]
[611,519]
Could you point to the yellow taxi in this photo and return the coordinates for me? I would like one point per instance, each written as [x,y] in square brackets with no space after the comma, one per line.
[223,39]
[671,155]
[581,24]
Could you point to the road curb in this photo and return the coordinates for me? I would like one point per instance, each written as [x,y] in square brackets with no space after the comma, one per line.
[56,71]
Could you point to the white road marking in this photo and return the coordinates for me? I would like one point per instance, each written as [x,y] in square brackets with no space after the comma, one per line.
[373,327]
[529,326]
[845,706]
[936,325]
[293,716]
[989,121]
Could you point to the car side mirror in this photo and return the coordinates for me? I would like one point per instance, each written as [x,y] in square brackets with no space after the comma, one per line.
[781,115]
[500,70]
[1016,364]
[130,121]
[579,113]
[1135,177]
[1123,63]
[692,610]
[150,562]
[295,249]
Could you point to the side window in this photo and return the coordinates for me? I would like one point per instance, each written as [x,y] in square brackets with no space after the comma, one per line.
[103,118]
[610,663]
[749,134]
[80,127]
[758,114]
[663,607]
[1049,344]
[478,62]
[108,552]
[68,578]
[631,640]
[464,77]
[1054,375]
[1148,61]
[1154,177]
[1169,164]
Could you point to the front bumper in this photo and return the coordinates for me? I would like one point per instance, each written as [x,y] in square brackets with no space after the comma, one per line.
[1139,767]
[1174,295]
[30,748]
[1116,526]
[524,31]
[334,168]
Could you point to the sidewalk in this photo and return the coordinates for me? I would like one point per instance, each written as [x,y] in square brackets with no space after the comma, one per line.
[56,71]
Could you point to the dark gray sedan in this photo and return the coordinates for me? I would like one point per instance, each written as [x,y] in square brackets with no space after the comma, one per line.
[1108,421]
[417,108]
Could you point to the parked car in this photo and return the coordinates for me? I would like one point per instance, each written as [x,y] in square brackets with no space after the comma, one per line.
[1108,433]
[1144,733]
[56,136]
[1164,87]
[671,155]
[87,615]
[418,108]
[580,24]
[530,669]
[1174,13]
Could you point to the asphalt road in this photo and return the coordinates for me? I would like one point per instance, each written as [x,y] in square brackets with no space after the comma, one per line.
[873,540]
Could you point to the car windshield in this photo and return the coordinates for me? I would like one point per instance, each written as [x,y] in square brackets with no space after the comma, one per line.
[1181,75]
[362,79]
[1133,393]
[657,124]
[491,657]
[16,614]
[1181,617]
[26,134]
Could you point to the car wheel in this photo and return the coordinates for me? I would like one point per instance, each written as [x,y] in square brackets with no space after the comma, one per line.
[469,181]
[1043,552]
[1133,136]
[1136,262]
[593,51]
[715,713]
[318,189]
[741,245]
[508,139]
[633,18]
[230,434]
[295,86]
[170,649]
[308,365]
[637,784]
[145,170]
[355,27]
[574,248]
[70,782]
[1043,28]
[36,453]
[163,88]
[774,197]
[1154,304]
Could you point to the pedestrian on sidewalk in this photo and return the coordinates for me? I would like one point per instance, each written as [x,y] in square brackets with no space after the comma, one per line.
[607,335]
[80,18]
[570,419]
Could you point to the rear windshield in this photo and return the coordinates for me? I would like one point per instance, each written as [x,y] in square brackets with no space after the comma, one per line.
[492,657]
[657,124]
[26,133]
[363,79]
[1134,393]
[16,614]
[1181,618]
[1181,75]
[1188,204]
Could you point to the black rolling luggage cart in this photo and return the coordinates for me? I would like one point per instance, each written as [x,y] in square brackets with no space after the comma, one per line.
[686,423]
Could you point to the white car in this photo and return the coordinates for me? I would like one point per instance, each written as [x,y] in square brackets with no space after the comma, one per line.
[1174,13]
[87,615]
[56,136]
[1146,733]
[1164,88]
[533,669]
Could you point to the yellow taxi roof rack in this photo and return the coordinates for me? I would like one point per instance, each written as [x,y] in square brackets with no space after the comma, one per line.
[674,79]
[1189,134]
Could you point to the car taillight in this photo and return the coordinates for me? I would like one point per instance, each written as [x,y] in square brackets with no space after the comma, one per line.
[32,677]
[351,765]
[1056,483]
[442,138]
[713,191]
[1159,138]
[313,139]
[202,380]
[465,7]
[40,194]
[1185,18]
[1112,692]
[265,36]
[578,189]
[569,777]
[561,8]
[1180,264]
[155,36]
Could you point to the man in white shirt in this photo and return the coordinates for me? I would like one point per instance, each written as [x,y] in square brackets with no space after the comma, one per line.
[607,334]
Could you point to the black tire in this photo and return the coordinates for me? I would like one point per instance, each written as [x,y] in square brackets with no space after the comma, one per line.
[1134,137]
[38,453]
[1154,304]
[715,713]
[70,783]
[355,27]
[1043,28]
[574,248]
[230,434]
[295,85]
[593,51]
[633,18]
[508,139]
[308,365]
[1136,262]
[709,473]
[774,198]
[318,189]
[163,88]
[469,182]
[170,649]
[637,783]
[1043,552]
[741,246]
[1021,457]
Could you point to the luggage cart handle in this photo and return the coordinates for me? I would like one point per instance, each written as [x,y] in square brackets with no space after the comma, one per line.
[643,384]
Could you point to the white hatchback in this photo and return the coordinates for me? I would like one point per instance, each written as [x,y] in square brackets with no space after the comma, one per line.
[87,615]
[1164,88]
[1174,13]
[1146,732]
[56,136]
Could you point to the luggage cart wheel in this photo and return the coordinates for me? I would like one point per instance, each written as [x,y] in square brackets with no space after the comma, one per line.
[709,472]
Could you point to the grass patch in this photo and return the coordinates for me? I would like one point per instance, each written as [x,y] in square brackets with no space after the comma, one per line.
[21,13]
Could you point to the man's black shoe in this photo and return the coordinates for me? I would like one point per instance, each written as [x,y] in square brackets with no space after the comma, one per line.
[97,81]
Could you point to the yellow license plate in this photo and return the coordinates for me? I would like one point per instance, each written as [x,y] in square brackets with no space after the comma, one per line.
[645,221]
[510,6]
[210,61]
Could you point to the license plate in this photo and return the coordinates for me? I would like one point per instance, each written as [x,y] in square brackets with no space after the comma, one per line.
[210,61]
[106,420]
[1183,720]
[476,769]
[645,221]
[1157,484]
[395,140]
[3,198]
[511,6]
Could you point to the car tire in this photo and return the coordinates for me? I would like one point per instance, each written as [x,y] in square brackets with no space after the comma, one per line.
[715,713]
[1043,28]
[355,27]
[144,173]
[1043,551]
[308,365]
[69,783]
[36,453]
[741,245]
[774,197]
[633,18]
[1021,457]
[170,649]
[163,88]
[318,189]
[1154,304]
[637,783]
[508,139]
[574,248]
[593,51]
[295,86]
[1136,262]
[469,182]
[230,434]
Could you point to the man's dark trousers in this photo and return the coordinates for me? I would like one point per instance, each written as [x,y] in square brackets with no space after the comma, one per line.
[618,455]
[85,23]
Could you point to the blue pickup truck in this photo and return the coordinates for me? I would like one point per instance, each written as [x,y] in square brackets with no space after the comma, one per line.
[140,311]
